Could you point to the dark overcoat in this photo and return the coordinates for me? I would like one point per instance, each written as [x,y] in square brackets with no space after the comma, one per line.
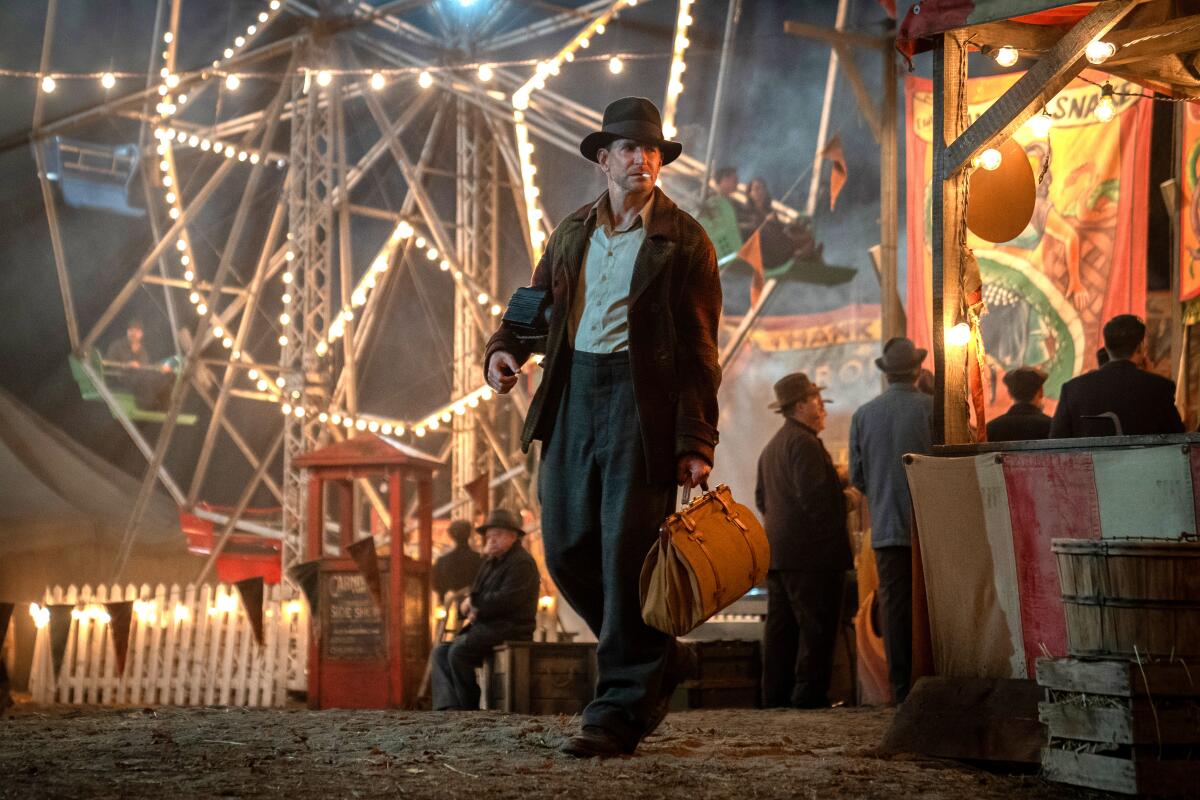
[1143,401]
[674,311]
[1022,422]
[504,597]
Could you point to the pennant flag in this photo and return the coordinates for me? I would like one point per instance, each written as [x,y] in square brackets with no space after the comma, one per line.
[363,553]
[60,631]
[121,614]
[768,248]
[834,154]
[305,575]
[889,6]
[6,610]
[251,590]
[480,494]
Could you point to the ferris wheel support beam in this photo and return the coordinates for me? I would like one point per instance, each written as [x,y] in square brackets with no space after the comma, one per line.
[190,362]
[253,293]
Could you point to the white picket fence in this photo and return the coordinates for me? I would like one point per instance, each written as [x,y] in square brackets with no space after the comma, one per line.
[190,646]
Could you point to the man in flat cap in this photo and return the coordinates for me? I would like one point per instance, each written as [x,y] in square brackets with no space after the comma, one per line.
[1025,419]
[626,409]
[800,497]
[502,607]
[881,432]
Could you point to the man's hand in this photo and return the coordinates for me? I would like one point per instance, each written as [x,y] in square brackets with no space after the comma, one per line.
[502,371]
[464,608]
[692,472]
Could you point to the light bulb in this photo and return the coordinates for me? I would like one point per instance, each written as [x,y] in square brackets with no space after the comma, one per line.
[168,37]
[232,83]
[485,73]
[172,81]
[1040,124]
[324,77]
[1098,52]
[377,81]
[1105,109]
[990,159]
[959,335]
[1006,56]
[48,84]
[615,65]
[425,80]
[108,80]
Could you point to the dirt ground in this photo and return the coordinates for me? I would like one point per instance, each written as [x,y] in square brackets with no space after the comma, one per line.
[234,752]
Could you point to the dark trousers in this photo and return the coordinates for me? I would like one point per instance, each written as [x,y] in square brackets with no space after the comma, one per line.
[599,519]
[895,602]
[803,613]
[454,663]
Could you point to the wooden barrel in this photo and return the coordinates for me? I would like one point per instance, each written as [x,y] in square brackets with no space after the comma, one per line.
[1122,594]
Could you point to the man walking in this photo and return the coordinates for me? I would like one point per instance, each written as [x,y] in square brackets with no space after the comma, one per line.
[800,496]
[881,432]
[502,607]
[1120,397]
[626,409]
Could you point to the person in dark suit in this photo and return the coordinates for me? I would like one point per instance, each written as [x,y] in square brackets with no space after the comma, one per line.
[626,410]
[502,607]
[456,570]
[1120,397]
[1025,419]
[800,497]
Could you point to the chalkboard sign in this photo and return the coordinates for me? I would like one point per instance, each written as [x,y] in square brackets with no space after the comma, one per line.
[352,623]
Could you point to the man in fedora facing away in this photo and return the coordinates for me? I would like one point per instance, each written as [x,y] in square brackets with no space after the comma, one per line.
[626,409]
[800,497]
[502,607]
[881,432]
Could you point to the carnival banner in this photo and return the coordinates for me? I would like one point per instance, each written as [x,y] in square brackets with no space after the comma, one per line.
[1081,259]
[1189,207]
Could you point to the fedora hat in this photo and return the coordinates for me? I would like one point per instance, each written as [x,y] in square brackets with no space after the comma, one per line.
[502,518]
[900,355]
[794,388]
[630,118]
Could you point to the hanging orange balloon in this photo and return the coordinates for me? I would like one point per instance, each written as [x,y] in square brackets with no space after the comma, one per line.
[1000,201]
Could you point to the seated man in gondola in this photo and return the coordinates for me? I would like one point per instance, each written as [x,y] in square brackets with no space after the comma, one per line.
[130,367]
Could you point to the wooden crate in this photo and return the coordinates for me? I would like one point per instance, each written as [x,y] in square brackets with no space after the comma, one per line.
[1121,726]
[729,676]
[541,677]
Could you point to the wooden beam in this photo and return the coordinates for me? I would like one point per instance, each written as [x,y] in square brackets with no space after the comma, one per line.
[950,415]
[866,103]
[1037,86]
[1157,40]
[835,37]
[1026,38]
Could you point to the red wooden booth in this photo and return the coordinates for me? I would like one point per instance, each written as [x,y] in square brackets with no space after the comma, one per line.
[369,644]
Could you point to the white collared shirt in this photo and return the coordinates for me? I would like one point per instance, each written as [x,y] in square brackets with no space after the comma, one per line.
[600,310]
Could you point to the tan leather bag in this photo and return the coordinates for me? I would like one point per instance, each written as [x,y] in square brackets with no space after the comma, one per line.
[708,554]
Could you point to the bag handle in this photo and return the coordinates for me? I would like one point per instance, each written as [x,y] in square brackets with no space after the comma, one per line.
[687,492]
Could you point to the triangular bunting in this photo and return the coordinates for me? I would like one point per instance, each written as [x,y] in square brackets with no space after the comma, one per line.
[60,632]
[834,154]
[751,253]
[251,590]
[479,492]
[6,610]
[363,553]
[121,614]
[304,575]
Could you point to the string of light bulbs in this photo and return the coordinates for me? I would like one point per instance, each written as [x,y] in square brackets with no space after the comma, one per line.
[534,213]
[683,22]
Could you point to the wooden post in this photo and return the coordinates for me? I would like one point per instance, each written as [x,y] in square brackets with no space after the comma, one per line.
[891,309]
[394,621]
[316,515]
[950,421]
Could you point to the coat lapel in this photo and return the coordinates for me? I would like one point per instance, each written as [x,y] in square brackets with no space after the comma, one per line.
[658,247]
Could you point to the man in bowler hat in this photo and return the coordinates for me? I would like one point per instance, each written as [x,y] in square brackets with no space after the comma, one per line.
[626,409]
[881,432]
[502,607]
[800,497]
[1025,419]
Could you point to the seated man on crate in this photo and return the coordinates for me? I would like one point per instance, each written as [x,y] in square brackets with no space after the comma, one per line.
[502,607]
